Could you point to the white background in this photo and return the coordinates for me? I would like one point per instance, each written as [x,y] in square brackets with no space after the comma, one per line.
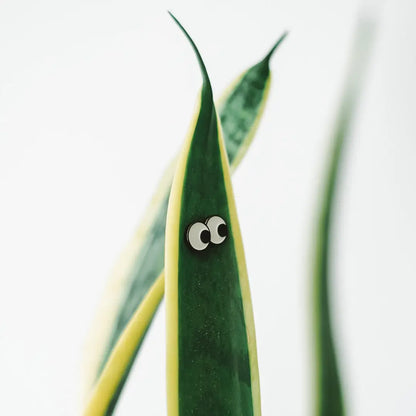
[95,99]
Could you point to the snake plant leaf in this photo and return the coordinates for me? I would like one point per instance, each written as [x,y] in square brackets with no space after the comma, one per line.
[142,262]
[211,350]
[329,400]
[106,391]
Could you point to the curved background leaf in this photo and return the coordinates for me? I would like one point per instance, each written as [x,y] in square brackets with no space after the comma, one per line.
[329,397]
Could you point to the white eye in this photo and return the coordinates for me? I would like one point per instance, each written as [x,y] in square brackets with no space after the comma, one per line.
[198,236]
[218,229]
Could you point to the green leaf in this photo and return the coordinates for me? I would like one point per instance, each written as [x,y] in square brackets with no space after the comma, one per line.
[142,263]
[211,351]
[106,391]
[329,399]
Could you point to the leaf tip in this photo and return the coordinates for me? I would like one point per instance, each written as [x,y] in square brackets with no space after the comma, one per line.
[275,46]
[198,55]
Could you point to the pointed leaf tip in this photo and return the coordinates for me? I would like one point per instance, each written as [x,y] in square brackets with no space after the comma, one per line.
[198,55]
[274,47]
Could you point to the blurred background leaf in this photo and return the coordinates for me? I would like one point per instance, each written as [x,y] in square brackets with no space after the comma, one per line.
[329,397]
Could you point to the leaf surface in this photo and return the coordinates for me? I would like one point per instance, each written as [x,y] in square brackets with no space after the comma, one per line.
[211,349]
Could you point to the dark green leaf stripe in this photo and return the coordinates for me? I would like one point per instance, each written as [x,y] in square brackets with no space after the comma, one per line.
[212,369]
[329,399]
[240,112]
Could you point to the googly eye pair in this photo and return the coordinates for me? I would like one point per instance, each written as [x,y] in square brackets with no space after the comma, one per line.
[200,234]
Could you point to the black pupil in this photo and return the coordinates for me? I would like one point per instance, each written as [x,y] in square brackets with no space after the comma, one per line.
[222,230]
[205,236]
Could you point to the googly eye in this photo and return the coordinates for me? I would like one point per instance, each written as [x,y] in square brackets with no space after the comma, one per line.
[217,228]
[198,236]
